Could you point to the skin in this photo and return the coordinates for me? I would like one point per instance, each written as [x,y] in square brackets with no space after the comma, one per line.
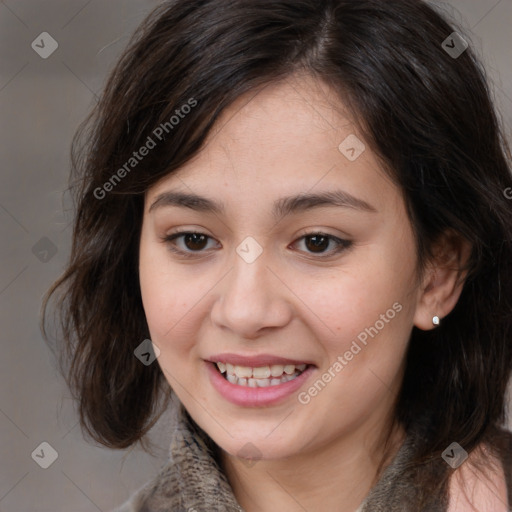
[291,301]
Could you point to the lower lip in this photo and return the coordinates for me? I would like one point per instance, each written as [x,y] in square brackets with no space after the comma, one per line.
[255,397]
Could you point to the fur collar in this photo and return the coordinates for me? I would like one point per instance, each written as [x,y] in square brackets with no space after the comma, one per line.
[193,482]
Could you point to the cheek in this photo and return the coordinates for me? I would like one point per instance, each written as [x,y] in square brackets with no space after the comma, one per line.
[168,297]
[365,311]
[358,296]
[369,328]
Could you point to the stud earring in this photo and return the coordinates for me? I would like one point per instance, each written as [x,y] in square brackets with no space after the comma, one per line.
[435,320]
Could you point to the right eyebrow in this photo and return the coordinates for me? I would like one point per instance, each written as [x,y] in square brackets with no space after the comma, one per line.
[282,207]
[192,201]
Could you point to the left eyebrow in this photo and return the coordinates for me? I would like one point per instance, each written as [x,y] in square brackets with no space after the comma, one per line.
[282,207]
[302,202]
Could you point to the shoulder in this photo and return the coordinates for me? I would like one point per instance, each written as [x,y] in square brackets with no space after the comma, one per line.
[479,484]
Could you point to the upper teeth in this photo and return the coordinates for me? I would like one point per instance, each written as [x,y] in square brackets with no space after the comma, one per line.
[260,372]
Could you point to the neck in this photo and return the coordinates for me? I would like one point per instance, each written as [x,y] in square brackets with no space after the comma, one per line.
[336,476]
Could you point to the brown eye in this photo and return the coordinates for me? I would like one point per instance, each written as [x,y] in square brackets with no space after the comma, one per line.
[195,241]
[317,243]
[192,244]
[323,244]
[187,243]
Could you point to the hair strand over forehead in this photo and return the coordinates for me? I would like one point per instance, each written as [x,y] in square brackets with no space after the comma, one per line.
[426,115]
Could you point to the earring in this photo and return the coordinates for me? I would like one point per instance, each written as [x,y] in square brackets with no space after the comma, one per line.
[435,320]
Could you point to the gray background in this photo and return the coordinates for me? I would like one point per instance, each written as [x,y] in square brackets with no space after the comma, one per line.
[42,102]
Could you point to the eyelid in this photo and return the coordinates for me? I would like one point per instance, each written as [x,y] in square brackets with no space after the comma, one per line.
[169,238]
[343,243]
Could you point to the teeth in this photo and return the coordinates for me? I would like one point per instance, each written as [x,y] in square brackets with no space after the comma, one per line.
[276,370]
[262,372]
[262,376]
[260,383]
[289,369]
[243,371]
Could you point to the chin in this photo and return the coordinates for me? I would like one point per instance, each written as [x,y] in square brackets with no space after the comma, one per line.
[257,444]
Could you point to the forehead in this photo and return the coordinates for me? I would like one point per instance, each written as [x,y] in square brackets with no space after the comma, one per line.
[298,114]
[283,138]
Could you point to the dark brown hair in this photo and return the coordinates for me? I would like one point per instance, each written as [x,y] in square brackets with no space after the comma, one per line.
[427,114]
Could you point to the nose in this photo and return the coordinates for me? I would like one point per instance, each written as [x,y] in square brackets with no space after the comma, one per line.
[252,299]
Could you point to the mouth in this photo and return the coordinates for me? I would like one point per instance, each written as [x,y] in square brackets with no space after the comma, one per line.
[259,376]
[262,380]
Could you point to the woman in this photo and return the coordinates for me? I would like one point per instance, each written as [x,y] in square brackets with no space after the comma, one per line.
[302,205]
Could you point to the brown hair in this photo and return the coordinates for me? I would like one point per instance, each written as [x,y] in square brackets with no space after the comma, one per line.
[427,114]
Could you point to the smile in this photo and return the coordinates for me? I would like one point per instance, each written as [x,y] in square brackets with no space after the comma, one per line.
[261,376]
[260,381]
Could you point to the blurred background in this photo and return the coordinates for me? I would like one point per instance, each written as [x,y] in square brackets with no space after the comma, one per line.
[46,89]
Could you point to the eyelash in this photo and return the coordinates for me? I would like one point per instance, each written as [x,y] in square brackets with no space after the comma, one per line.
[169,240]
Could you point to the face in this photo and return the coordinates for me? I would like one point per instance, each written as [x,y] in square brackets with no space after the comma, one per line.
[300,278]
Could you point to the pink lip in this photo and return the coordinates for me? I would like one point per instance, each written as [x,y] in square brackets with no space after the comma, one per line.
[254,361]
[255,397]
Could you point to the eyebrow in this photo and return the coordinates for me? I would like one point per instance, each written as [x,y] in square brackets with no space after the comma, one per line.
[281,208]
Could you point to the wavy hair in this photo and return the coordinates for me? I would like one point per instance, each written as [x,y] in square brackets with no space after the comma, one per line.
[427,115]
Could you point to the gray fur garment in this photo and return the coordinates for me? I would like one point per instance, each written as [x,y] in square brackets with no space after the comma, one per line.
[193,482]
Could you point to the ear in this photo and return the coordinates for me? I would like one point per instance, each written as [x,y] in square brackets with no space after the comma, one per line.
[443,279]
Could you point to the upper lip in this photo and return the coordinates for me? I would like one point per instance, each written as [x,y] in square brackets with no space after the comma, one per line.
[255,361]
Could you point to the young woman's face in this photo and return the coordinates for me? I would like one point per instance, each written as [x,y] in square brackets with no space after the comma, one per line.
[304,256]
